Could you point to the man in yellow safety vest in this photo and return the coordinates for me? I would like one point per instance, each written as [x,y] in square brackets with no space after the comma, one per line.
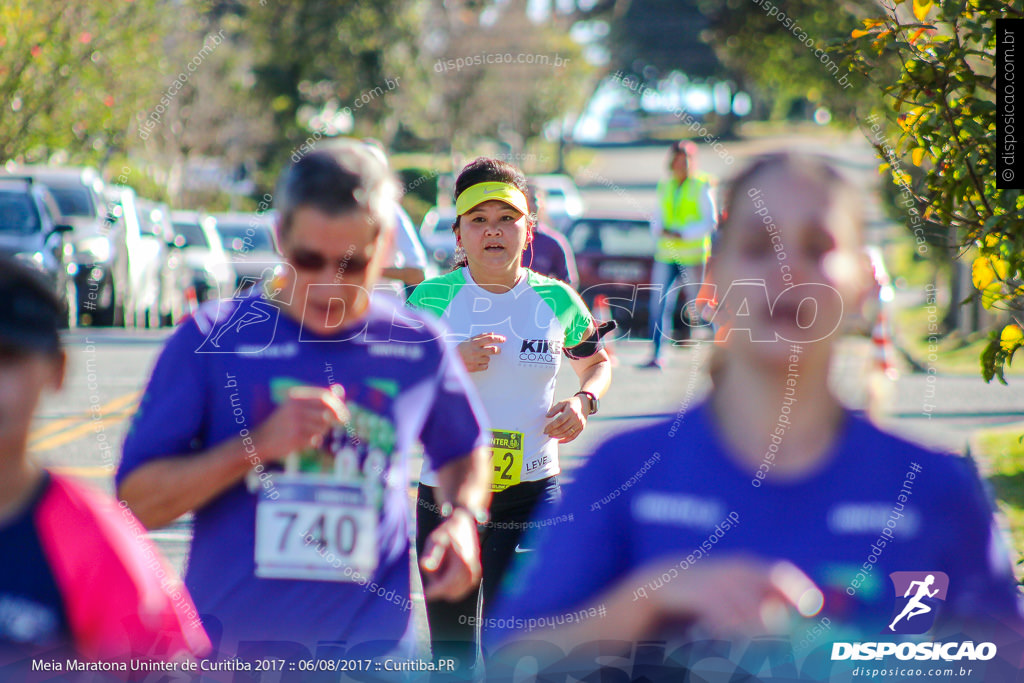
[683,226]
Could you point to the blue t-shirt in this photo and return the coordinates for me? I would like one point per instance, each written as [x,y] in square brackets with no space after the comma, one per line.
[670,492]
[222,373]
[32,614]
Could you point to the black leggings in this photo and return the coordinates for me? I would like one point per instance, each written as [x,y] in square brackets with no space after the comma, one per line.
[453,627]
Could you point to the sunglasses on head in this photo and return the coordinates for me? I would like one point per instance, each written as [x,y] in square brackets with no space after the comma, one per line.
[313,261]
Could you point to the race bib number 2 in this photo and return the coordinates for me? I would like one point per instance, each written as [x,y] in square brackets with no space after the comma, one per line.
[316,533]
[506,459]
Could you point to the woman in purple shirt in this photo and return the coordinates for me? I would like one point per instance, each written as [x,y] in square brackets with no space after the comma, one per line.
[770,508]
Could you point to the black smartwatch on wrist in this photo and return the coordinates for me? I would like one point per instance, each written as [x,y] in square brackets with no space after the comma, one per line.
[592,402]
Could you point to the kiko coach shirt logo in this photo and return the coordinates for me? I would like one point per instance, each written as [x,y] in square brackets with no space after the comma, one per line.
[539,351]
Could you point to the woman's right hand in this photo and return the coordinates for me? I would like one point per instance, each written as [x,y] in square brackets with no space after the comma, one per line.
[729,596]
[476,352]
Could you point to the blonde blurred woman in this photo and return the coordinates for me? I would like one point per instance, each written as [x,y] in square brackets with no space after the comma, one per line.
[771,503]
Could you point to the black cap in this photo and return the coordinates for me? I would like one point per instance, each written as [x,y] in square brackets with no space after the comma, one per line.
[30,312]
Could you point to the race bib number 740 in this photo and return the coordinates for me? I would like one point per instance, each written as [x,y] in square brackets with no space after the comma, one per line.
[317,534]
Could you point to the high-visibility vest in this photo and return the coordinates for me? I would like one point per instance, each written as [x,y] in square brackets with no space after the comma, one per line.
[680,206]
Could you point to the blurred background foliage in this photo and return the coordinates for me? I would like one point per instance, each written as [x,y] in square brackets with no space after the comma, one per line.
[207,100]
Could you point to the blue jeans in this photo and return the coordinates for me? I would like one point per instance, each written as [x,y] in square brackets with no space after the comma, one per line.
[663,297]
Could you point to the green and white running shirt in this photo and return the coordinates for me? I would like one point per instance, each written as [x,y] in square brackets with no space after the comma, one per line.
[538,318]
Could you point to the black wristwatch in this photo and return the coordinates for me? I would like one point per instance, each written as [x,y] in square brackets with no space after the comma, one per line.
[593,404]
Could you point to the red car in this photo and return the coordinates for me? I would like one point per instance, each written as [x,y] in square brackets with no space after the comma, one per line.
[615,256]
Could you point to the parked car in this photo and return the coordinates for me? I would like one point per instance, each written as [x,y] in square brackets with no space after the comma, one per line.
[250,244]
[623,125]
[562,199]
[147,253]
[100,251]
[615,257]
[437,236]
[175,276]
[212,274]
[33,231]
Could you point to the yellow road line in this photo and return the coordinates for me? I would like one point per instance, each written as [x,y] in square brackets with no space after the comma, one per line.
[83,471]
[63,423]
[105,419]
[54,426]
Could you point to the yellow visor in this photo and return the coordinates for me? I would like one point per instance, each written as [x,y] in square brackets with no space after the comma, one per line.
[485,192]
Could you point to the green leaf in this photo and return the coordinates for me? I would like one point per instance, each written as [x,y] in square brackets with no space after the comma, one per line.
[991,295]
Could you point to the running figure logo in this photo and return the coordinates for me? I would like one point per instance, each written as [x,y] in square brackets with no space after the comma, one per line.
[225,337]
[918,594]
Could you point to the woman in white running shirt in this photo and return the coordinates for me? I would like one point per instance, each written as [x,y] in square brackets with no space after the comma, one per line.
[512,327]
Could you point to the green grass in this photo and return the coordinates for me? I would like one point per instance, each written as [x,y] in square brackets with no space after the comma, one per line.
[954,354]
[1000,454]
[899,259]
[772,129]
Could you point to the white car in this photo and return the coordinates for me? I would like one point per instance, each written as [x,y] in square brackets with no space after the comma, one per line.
[175,277]
[249,241]
[213,275]
[562,199]
[623,125]
[437,236]
[146,256]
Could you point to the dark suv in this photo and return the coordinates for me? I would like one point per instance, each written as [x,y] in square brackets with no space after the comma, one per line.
[100,249]
[34,232]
